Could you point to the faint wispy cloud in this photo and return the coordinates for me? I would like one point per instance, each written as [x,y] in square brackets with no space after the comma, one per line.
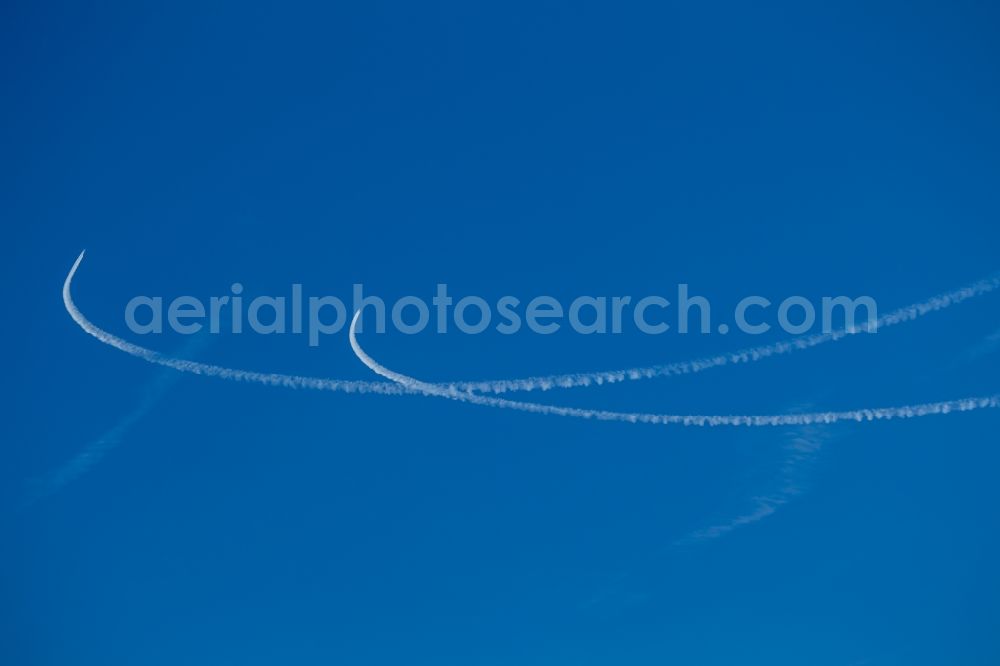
[801,449]
[986,346]
[48,484]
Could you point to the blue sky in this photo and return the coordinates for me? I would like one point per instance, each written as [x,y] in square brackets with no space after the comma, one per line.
[542,148]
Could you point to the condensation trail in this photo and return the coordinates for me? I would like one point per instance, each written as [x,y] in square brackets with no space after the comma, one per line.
[267,378]
[404,384]
[546,382]
[583,379]
[875,414]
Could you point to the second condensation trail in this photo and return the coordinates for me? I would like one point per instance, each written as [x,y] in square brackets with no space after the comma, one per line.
[873,414]
[750,354]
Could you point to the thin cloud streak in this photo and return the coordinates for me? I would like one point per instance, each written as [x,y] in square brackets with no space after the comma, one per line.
[801,450]
[46,485]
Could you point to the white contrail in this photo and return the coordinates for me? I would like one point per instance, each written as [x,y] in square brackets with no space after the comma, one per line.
[267,378]
[582,379]
[901,315]
[874,414]
[404,384]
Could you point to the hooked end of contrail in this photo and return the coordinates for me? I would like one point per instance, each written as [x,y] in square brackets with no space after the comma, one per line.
[69,276]
[76,264]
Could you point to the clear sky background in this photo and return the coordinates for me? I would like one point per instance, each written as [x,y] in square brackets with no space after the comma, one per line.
[525,149]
